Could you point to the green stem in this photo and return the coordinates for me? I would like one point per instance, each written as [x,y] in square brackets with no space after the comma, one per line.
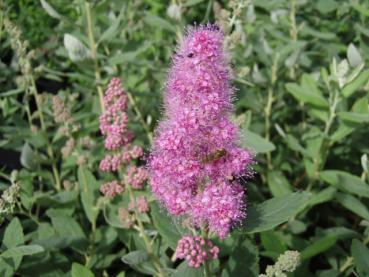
[49,149]
[205,235]
[319,162]
[93,48]
[155,260]
[293,31]
[140,117]
[268,107]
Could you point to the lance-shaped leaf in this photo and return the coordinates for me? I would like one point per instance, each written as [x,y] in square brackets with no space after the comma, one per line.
[269,214]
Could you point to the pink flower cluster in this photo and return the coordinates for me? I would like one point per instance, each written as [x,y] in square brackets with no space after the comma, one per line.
[113,122]
[113,125]
[113,162]
[196,159]
[111,189]
[196,250]
[140,203]
[136,176]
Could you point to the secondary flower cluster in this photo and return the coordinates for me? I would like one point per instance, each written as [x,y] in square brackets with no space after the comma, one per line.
[196,250]
[196,159]
[113,125]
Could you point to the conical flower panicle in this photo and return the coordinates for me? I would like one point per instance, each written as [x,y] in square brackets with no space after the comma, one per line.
[196,159]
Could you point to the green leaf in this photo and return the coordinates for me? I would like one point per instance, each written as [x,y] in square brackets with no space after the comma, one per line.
[353,204]
[190,3]
[294,144]
[28,158]
[278,184]
[136,257]
[167,228]
[360,253]
[306,95]
[271,213]
[353,55]
[156,21]
[13,234]
[244,261]
[319,246]
[66,226]
[139,260]
[327,6]
[128,56]
[322,196]
[113,28]
[79,270]
[346,182]
[257,143]
[356,84]
[354,117]
[50,10]
[23,250]
[89,193]
[77,51]
[273,241]
[183,270]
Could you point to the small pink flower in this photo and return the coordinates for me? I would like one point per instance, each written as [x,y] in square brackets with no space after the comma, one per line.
[140,203]
[125,218]
[111,189]
[136,176]
[136,152]
[195,250]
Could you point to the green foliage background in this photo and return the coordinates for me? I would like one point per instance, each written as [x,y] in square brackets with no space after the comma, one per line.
[301,72]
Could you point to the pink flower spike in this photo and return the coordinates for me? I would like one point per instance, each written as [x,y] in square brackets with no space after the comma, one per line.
[196,159]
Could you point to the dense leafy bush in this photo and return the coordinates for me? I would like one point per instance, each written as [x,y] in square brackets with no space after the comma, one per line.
[302,80]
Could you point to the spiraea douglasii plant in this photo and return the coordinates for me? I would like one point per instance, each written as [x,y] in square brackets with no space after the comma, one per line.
[184,138]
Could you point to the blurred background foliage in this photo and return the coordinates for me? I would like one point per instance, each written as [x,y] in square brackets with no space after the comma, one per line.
[301,72]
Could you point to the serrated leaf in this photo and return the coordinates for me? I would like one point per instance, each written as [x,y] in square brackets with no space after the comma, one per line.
[79,270]
[13,235]
[257,143]
[273,212]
